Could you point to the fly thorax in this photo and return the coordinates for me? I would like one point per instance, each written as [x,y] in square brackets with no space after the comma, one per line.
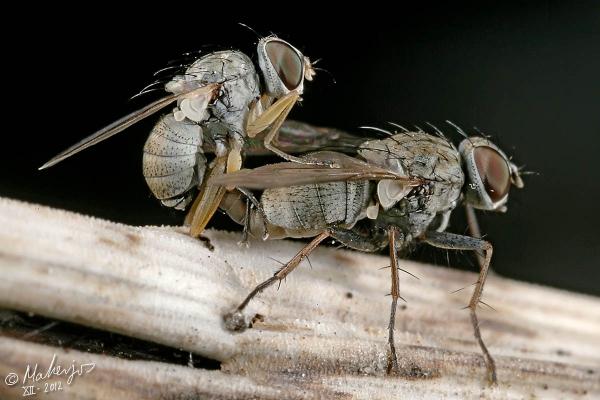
[419,154]
[378,152]
[424,164]
[389,191]
[413,214]
[239,86]
[216,67]
[217,133]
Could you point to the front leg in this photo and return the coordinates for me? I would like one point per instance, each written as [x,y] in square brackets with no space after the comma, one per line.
[474,230]
[452,241]
[273,117]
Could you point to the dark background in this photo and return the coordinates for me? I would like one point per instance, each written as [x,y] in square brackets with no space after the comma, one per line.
[526,74]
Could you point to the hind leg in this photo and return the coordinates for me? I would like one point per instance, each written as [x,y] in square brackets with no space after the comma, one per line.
[235,320]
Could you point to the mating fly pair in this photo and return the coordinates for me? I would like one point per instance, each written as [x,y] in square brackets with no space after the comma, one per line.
[221,101]
[396,191]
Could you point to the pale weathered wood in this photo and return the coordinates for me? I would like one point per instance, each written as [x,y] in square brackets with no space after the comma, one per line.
[323,333]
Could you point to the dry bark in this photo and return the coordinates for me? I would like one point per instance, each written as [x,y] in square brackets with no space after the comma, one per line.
[322,335]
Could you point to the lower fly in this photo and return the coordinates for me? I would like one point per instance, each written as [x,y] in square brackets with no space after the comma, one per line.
[397,191]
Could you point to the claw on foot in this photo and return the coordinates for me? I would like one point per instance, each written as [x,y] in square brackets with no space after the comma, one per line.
[236,321]
[207,242]
[392,364]
[244,243]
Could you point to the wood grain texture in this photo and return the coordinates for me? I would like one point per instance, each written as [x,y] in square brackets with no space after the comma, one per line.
[322,335]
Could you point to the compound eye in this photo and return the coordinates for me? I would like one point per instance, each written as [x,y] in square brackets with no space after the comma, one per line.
[494,172]
[286,62]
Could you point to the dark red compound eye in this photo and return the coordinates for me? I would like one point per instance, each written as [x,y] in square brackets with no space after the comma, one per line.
[494,172]
[286,62]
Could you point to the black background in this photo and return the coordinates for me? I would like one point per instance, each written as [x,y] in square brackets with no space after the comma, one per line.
[526,74]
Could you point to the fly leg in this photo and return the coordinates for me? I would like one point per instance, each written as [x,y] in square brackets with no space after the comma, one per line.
[208,199]
[235,320]
[243,208]
[274,116]
[452,241]
[474,230]
[228,159]
[253,201]
[392,362]
[244,241]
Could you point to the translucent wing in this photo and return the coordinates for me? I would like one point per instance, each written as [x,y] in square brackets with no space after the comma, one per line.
[293,174]
[126,122]
[300,137]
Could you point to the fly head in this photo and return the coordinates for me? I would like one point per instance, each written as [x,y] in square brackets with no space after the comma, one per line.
[284,68]
[490,174]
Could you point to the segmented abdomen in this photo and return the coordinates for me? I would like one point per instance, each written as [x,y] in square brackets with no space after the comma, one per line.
[317,206]
[173,161]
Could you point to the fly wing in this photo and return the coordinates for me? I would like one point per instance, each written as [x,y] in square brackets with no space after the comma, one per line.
[126,122]
[300,137]
[294,174]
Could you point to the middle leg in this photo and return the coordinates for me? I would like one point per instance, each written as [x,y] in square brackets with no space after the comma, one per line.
[392,364]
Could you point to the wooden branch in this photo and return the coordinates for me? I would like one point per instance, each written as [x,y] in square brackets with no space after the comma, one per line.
[322,335]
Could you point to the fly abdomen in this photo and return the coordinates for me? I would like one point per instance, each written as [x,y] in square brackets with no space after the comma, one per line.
[173,162]
[316,206]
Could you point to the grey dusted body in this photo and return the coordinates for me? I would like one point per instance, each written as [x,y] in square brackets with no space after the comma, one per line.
[173,162]
[303,211]
[428,206]
[341,207]
[421,182]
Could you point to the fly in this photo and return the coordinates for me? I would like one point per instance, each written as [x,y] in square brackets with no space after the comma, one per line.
[396,191]
[220,97]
